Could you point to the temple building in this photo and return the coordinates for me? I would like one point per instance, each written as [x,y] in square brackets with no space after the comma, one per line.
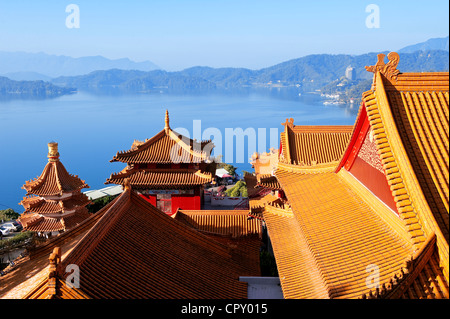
[54,202]
[364,211]
[131,249]
[168,170]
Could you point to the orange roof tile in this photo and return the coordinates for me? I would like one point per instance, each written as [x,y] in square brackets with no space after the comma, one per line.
[409,116]
[420,111]
[342,232]
[234,223]
[420,278]
[167,146]
[42,223]
[337,227]
[30,270]
[311,145]
[41,205]
[161,178]
[54,180]
[158,257]
[268,181]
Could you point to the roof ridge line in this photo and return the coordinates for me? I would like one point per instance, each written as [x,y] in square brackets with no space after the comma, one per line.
[412,267]
[140,147]
[188,148]
[377,119]
[329,290]
[97,231]
[194,232]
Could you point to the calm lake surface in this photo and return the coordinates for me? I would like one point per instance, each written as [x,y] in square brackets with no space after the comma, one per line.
[91,129]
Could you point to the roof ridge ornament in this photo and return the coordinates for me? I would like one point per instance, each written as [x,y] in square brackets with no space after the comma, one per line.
[53,154]
[389,70]
[167,127]
[289,123]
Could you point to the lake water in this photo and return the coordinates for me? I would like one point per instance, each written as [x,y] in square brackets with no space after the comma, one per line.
[91,128]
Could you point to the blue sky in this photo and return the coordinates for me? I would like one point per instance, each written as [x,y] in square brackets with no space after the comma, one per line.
[252,34]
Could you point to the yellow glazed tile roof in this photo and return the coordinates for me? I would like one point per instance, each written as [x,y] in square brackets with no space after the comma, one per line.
[342,232]
[167,146]
[234,223]
[311,145]
[422,118]
[409,116]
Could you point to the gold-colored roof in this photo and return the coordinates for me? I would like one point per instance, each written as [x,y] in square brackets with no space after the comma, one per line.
[234,223]
[341,235]
[337,227]
[166,147]
[136,251]
[311,145]
[409,117]
[161,178]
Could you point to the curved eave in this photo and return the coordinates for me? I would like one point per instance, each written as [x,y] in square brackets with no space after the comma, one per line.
[124,156]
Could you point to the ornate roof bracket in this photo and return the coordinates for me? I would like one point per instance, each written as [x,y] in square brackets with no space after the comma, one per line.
[54,259]
[389,70]
[402,280]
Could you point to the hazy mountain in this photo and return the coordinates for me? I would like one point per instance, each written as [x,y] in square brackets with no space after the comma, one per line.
[309,73]
[431,44]
[10,89]
[60,65]
[26,76]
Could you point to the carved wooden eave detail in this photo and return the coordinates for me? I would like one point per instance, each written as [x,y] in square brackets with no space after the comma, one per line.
[389,70]
[399,283]
[289,123]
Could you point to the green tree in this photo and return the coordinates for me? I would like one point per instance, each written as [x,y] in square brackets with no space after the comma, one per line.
[8,214]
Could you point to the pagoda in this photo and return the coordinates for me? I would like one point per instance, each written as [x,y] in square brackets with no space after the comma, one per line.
[168,170]
[54,202]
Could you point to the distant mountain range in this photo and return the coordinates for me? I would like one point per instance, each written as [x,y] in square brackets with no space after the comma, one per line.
[10,89]
[431,44]
[42,66]
[305,74]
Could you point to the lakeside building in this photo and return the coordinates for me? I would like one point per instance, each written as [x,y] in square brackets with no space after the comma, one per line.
[54,202]
[125,249]
[168,170]
[203,263]
[352,212]
[350,73]
[371,218]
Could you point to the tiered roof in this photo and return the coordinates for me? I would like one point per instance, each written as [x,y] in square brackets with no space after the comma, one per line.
[334,230]
[166,147]
[161,178]
[311,145]
[341,232]
[54,180]
[234,223]
[54,201]
[158,257]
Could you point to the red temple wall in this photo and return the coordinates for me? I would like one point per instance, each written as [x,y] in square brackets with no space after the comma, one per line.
[374,180]
[149,198]
[188,202]
[368,169]
[183,201]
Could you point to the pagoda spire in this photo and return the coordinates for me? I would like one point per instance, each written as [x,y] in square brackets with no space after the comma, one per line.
[53,154]
[167,127]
